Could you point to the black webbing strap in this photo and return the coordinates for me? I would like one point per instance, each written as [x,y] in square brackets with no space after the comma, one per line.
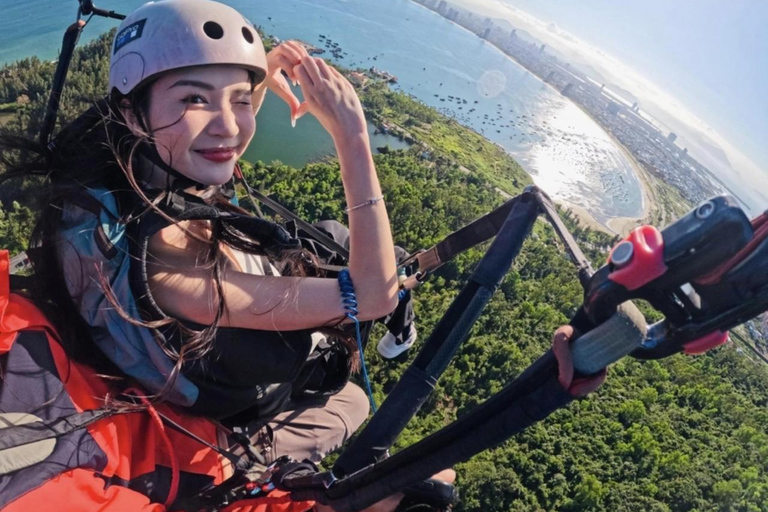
[530,398]
[488,226]
[306,226]
[413,389]
[465,238]
[181,206]
[236,460]
[571,246]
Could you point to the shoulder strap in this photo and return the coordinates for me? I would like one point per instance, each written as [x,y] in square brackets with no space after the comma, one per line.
[289,215]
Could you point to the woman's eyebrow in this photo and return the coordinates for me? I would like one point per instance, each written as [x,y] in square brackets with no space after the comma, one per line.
[193,83]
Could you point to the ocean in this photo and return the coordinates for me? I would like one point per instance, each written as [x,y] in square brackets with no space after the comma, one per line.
[443,65]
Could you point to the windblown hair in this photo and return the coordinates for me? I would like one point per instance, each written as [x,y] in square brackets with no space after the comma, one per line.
[98,152]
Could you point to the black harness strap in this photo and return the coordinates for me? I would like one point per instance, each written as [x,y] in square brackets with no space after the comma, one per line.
[306,226]
[487,227]
[571,246]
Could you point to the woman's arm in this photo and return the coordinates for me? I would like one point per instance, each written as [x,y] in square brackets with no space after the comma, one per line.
[333,101]
[270,303]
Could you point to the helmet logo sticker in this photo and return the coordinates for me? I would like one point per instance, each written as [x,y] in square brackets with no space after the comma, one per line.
[128,34]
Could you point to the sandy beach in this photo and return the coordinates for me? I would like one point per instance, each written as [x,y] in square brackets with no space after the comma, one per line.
[620,225]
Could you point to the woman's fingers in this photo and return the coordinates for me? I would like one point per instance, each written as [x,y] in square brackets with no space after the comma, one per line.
[279,86]
[330,98]
[284,57]
[304,79]
[284,63]
[324,68]
[296,49]
[312,68]
[300,111]
[562,351]
[580,386]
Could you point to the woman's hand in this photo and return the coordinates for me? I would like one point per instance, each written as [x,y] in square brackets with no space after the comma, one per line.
[331,99]
[562,350]
[282,58]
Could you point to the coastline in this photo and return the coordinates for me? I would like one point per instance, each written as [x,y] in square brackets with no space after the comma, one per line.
[621,225]
[615,226]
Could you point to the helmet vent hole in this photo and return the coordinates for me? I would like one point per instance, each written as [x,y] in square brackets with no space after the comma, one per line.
[247,35]
[213,30]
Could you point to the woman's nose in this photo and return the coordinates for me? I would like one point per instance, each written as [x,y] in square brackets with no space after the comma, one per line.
[224,124]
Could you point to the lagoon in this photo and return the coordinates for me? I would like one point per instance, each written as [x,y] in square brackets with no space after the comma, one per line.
[276,140]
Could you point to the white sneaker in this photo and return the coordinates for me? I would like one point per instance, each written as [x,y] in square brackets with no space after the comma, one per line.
[390,347]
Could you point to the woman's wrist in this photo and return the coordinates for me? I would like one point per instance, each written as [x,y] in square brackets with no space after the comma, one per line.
[351,140]
[355,157]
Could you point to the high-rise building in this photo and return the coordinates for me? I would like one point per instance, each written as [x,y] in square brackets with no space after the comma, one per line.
[486,33]
[541,49]
[442,7]
[671,137]
[513,34]
[567,88]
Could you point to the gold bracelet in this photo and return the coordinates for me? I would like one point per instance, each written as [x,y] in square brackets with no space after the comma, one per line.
[369,202]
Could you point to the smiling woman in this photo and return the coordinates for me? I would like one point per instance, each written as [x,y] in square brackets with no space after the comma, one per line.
[201,120]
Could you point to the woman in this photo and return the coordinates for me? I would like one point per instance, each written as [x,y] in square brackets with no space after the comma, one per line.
[181,291]
[186,80]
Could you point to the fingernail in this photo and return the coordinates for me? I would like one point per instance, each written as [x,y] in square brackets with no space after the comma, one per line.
[293,122]
[294,83]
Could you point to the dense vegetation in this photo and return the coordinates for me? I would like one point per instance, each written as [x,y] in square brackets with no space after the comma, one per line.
[675,435]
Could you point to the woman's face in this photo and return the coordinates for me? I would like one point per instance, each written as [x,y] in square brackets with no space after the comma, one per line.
[202,120]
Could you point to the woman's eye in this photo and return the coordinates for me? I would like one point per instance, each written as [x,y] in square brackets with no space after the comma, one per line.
[194,99]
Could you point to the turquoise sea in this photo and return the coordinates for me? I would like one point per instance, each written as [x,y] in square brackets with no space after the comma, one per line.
[443,65]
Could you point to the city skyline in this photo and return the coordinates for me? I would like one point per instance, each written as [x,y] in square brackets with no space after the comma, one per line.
[704,131]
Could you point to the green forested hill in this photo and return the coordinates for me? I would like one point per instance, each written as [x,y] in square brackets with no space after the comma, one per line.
[674,435]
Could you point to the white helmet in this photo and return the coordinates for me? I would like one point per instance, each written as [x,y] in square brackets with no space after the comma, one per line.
[173,34]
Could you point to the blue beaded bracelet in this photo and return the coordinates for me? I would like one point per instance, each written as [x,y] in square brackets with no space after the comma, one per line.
[349,299]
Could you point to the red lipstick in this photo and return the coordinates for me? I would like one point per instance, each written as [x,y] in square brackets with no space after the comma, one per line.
[218,155]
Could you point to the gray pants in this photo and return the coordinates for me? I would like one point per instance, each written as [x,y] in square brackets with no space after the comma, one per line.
[311,428]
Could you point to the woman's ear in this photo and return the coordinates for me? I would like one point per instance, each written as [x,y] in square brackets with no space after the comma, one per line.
[131,120]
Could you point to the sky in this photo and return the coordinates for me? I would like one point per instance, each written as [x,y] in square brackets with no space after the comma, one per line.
[699,66]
